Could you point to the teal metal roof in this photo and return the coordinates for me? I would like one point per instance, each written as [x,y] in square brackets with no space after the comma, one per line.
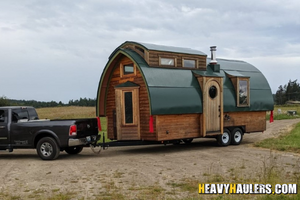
[177,91]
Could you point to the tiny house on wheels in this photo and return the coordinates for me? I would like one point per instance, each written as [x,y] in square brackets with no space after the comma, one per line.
[160,93]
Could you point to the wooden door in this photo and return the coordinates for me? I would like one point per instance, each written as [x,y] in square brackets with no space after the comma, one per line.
[213,107]
[127,113]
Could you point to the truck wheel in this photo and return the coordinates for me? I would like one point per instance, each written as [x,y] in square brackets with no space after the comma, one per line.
[47,148]
[188,141]
[225,138]
[74,150]
[237,136]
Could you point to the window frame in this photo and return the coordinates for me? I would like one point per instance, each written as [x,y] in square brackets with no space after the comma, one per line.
[135,108]
[4,116]
[238,92]
[132,108]
[167,57]
[122,69]
[192,59]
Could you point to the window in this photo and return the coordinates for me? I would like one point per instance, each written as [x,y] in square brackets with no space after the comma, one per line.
[18,114]
[167,61]
[241,84]
[243,92]
[189,63]
[212,92]
[128,108]
[128,69]
[2,116]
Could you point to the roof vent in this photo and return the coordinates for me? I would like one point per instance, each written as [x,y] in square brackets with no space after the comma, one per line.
[213,50]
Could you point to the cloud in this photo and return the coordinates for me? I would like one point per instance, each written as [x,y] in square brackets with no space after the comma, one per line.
[61,47]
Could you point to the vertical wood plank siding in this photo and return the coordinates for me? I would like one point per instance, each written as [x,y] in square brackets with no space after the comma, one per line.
[143,103]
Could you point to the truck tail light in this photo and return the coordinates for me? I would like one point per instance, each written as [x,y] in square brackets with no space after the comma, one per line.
[73,130]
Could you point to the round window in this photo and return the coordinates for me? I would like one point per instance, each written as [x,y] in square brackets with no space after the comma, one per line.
[213,92]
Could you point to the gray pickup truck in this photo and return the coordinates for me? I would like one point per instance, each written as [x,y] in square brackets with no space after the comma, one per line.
[20,128]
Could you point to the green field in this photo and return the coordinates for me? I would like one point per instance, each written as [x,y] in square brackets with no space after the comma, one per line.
[284,114]
[72,112]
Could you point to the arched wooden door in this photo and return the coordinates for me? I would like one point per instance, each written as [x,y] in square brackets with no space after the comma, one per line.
[213,110]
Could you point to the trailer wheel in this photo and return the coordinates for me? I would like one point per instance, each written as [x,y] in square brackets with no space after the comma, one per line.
[188,141]
[225,138]
[47,148]
[237,136]
[74,150]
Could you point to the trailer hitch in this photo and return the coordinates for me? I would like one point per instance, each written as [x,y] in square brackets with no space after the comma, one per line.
[100,145]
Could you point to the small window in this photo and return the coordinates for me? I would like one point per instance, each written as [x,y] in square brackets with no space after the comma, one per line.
[128,69]
[2,116]
[167,61]
[189,63]
[243,92]
[213,92]
[128,108]
[19,114]
[140,49]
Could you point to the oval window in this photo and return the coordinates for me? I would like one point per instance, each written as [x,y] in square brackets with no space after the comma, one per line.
[213,92]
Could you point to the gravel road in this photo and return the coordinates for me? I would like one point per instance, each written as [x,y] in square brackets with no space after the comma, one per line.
[142,172]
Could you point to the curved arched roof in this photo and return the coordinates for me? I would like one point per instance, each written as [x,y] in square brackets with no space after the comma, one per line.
[177,91]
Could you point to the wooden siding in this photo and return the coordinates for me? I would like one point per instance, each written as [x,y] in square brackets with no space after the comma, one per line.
[252,121]
[143,103]
[170,127]
[155,55]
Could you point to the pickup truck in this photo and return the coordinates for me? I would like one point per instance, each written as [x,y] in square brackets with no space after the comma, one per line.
[21,128]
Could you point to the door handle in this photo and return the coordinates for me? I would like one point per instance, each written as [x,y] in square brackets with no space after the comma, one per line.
[2,127]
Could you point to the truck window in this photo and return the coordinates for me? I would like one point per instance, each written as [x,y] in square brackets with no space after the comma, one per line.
[18,114]
[32,114]
[2,116]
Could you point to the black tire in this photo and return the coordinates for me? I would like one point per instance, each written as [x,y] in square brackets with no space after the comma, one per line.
[47,148]
[176,142]
[74,150]
[236,136]
[188,141]
[224,139]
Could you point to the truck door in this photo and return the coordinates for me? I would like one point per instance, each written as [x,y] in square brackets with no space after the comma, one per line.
[3,128]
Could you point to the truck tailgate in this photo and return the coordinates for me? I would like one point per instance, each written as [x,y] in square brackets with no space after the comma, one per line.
[86,127]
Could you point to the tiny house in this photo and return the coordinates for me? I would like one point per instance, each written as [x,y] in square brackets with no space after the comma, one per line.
[151,92]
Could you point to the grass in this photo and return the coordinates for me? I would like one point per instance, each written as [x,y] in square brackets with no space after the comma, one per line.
[73,112]
[68,112]
[284,114]
[285,142]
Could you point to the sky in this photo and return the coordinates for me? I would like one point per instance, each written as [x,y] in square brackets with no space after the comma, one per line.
[57,50]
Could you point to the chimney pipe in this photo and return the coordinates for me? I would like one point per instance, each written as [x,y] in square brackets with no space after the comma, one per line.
[213,50]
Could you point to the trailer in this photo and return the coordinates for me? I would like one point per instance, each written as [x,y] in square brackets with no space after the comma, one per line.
[161,94]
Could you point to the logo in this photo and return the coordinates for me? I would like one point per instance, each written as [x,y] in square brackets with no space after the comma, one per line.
[237,188]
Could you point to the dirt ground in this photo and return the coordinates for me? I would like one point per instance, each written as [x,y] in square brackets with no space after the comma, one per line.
[140,172]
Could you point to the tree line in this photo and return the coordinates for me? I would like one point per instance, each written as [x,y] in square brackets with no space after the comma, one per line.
[42,104]
[288,92]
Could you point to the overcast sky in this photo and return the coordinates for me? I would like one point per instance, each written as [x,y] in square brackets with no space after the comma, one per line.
[56,50]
